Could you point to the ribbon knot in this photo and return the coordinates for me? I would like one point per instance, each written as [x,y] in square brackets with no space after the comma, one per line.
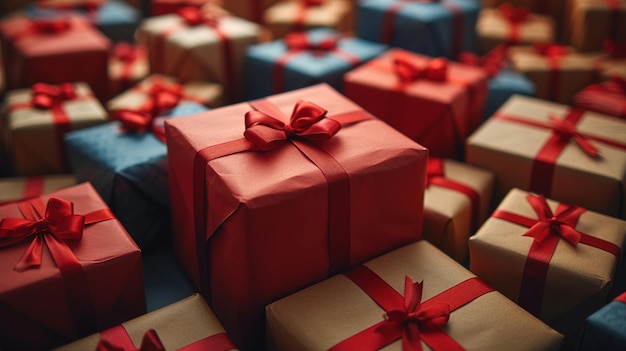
[300,41]
[150,342]
[566,131]
[551,49]
[407,72]
[46,96]
[194,16]
[513,14]
[561,224]
[126,52]
[492,62]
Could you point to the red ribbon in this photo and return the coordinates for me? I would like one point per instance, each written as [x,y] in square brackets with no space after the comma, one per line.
[492,62]
[553,53]
[408,72]
[621,298]
[516,16]
[299,23]
[547,230]
[89,6]
[33,186]
[608,97]
[129,55]
[408,318]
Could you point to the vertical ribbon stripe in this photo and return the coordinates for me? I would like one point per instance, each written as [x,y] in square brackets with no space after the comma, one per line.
[33,186]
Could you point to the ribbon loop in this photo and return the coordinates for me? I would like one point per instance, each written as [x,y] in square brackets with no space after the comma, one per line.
[46,96]
[566,131]
[562,224]
[435,70]
[54,26]
[299,41]
[194,16]
[150,342]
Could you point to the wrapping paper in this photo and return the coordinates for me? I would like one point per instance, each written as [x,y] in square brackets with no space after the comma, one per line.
[16,188]
[290,16]
[450,216]
[322,315]
[593,21]
[33,136]
[429,28]
[200,52]
[448,110]
[54,58]
[128,64]
[608,97]
[256,199]
[509,148]
[163,7]
[579,278]
[555,9]
[606,328]
[504,85]
[35,313]
[250,10]
[129,170]
[298,68]
[178,325]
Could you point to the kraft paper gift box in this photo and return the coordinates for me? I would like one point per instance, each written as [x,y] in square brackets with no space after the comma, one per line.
[250,10]
[128,64]
[188,323]
[363,309]
[555,9]
[163,7]
[83,278]
[129,170]
[512,25]
[591,22]
[605,329]
[444,28]
[17,188]
[608,98]
[271,216]
[558,261]
[289,16]
[54,51]
[432,101]
[197,45]
[558,72]
[533,144]
[304,59]
[34,121]
[457,200]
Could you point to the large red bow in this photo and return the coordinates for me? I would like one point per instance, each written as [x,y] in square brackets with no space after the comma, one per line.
[194,16]
[300,41]
[150,342]
[513,14]
[46,96]
[550,49]
[566,130]
[308,121]
[408,72]
[562,224]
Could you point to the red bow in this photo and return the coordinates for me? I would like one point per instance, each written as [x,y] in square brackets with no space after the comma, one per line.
[150,342]
[566,130]
[54,26]
[126,52]
[434,169]
[550,49]
[46,96]
[194,16]
[492,62]
[562,224]
[513,14]
[407,72]
[300,41]
[308,121]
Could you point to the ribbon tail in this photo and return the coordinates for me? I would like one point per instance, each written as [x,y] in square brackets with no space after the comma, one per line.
[586,145]
[540,231]
[411,340]
[32,257]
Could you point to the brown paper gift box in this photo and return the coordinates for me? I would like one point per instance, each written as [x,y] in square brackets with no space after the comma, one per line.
[128,64]
[12,189]
[250,10]
[177,325]
[30,134]
[267,213]
[509,148]
[579,279]
[555,9]
[283,17]
[593,21]
[324,314]
[35,311]
[447,212]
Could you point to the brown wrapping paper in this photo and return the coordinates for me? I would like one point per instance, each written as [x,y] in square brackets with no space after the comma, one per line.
[447,213]
[611,67]
[578,277]
[20,187]
[177,325]
[324,314]
[592,21]
[281,18]
[123,74]
[250,10]
[555,9]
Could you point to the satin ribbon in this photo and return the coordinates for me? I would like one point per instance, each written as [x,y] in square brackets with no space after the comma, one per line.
[129,55]
[435,173]
[492,62]
[117,339]
[547,230]
[265,130]
[515,16]
[407,317]
[54,225]
[300,21]
[553,53]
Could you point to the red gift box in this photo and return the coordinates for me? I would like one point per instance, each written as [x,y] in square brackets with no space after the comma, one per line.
[86,279]
[252,226]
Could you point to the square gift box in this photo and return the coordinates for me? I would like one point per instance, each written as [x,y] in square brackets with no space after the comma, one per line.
[33,122]
[363,309]
[437,28]
[129,170]
[66,277]
[605,329]
[457,200]
[591,22]
[128,64]
[432,101]
[205,45]
[289,16]
[551,149]
[251,226]
[304,59]
[608,97]
[17,188]
[558,261]
[186,323]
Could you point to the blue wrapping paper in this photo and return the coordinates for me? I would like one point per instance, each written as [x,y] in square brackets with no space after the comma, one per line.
[306,68]
[503,86]
[422,27]
[605,329]
[129,170]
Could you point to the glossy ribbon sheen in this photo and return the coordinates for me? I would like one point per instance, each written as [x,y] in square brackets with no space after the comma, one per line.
[515,16]
[547,230]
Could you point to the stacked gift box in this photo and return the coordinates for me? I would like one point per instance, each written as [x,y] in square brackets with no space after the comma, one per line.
[312,174]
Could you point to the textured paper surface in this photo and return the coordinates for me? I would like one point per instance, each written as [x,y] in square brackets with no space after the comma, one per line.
[281,17]
[14,188]
[591,21]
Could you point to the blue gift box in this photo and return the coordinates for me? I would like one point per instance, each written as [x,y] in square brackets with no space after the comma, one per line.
[605,329]
[116,19]
[304,67]
[129,170]
[502,86]
[427,28]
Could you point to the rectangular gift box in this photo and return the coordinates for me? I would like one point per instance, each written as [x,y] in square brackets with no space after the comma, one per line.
[129,170]
[605,329]
[456,201]
[555,9]
[17,188]
[608,97]
[438,105]
[200,45]
[544,269]
[54,51]
[128,64]
[339,309]
[591,22]
[522,146]
[33,122]
[304,59]
[185,323]
[253,226]
[444,28]
[289,16]
[84,283]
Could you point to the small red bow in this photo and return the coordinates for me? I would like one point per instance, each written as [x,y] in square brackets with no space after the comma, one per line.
[513,14]
[49,26]
[126,52]
[194,16]
[550,49]
[407,72]
[562,224]
[308,121]
[46,96]
[150,342]
[300,41]
[566,130]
